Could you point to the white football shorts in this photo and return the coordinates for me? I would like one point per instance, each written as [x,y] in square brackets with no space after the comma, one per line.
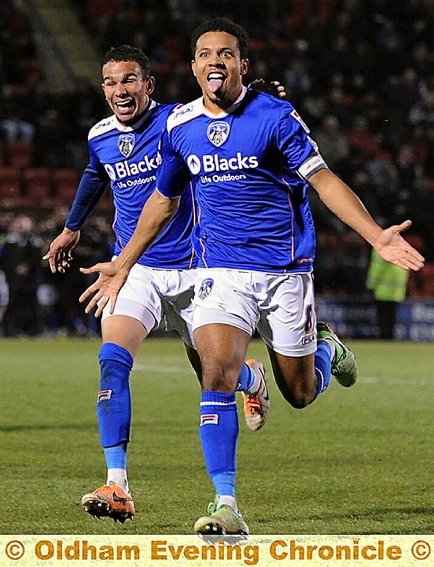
[279,306]
[158,298]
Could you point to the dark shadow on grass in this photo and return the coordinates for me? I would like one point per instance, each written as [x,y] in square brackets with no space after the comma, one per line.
[380,515]
[377,513]
[47,427]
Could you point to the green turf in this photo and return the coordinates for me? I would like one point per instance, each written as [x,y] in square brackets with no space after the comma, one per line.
[357,461]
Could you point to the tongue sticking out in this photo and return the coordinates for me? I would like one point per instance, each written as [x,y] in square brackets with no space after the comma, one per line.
[215,84]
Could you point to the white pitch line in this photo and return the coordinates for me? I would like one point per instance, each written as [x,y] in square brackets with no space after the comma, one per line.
[163,369]
[158,368]
[396,381]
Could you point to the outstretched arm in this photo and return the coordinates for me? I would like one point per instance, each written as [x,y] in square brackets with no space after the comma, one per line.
[112,275]
[92,185]
[345,204]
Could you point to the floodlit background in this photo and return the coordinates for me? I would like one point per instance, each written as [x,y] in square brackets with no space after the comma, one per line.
[360,73]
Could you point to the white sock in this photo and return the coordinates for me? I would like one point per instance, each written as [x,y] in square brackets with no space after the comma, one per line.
[332,346]
[227,501]
[119,477]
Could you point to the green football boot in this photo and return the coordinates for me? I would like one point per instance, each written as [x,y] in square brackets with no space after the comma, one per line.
[221,521]
[344,365]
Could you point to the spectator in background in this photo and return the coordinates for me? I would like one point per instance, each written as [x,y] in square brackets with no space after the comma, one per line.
[353,263]
[52,132]
[383,177]
[16,129]
[332,142]
[66,315]
[22,266]
[388,284]
[363,143]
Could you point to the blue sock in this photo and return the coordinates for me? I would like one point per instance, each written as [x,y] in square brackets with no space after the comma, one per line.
[219,434]
[246,378]
[116,457]
[114,403]
[323,366]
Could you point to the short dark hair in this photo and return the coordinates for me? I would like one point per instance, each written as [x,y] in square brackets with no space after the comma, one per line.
[128,53]
[223,25]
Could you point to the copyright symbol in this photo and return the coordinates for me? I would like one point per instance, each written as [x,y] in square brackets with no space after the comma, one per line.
[421,549]
[14,549]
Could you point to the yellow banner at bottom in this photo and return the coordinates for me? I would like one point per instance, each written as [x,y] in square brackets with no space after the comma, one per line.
[217,551]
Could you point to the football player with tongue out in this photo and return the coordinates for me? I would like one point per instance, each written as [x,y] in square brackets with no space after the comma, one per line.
[251,160]
[123,152]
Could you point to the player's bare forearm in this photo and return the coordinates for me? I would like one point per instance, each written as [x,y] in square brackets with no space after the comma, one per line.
[155,215]
[345,204]
[112,275]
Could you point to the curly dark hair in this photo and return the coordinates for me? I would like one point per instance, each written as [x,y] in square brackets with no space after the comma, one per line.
[223,25]
[128,53]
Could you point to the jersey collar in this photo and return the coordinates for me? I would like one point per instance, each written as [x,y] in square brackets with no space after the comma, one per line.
[231,109]
[127,128]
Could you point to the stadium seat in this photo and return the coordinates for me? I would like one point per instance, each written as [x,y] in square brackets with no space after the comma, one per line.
[421,284]
[106,202]
[65,183]
[2,155]
[37,184]
[10,186]
[19,154]
[416,241]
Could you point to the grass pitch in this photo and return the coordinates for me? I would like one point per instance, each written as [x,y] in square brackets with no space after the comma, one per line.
[357,461]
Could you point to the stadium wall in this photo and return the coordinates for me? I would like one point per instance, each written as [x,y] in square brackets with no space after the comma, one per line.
[355,318]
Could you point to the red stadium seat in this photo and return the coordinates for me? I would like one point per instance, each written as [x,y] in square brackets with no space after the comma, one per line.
[421,284]
[416,241]
[65,182]
[10,186]
[425,279]
[19,154]
[2,155]
[37,183]
[106,202]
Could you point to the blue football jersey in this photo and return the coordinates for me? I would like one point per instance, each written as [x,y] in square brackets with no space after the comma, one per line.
[250,168]
[126,157]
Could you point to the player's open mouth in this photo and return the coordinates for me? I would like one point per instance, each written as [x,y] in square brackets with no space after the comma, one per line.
[125,105]
[215,81]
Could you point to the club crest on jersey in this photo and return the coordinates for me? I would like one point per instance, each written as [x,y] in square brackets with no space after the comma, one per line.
[126,144]
[205,288]
[218,133]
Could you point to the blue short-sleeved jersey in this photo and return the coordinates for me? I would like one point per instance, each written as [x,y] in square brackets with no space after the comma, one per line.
[126,157]
[250,167]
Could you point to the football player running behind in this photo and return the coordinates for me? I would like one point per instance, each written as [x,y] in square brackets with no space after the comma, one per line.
[123,154]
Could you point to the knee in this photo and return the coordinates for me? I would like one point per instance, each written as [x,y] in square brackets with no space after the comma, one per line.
[299,397]
[219,379]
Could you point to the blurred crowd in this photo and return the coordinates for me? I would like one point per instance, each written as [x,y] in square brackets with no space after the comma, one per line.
[33,301]
[359,72]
